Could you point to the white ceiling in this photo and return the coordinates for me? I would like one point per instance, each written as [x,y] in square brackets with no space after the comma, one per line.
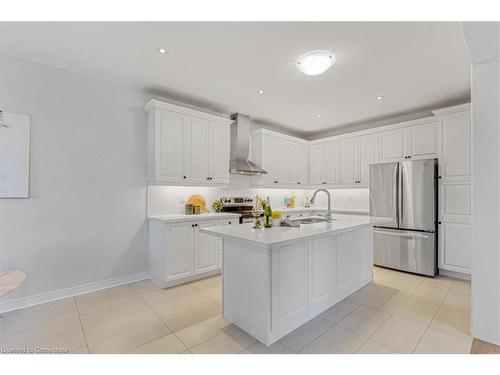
[415,66]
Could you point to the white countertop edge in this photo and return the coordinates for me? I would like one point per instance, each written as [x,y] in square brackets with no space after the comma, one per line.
[177,218]
[313,209]
[277,243]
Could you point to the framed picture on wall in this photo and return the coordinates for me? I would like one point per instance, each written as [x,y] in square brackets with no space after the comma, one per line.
[14,155]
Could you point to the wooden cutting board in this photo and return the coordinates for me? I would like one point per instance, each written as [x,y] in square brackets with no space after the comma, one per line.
[198,200]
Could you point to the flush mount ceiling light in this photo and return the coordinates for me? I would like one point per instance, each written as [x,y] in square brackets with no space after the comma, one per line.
[380,97]
[161,50]
[315,62]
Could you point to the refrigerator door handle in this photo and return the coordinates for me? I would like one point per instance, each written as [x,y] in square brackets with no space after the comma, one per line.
[400,193]
[403,235]
[395,194]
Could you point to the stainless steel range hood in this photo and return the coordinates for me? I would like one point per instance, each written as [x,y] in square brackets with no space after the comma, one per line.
[240,148]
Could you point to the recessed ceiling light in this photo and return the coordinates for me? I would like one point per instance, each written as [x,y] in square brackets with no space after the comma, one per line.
[162,50]
[261,92]
[318,115]
[380,97]
[315,62]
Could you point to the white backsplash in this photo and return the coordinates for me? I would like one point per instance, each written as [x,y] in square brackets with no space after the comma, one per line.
[164,200]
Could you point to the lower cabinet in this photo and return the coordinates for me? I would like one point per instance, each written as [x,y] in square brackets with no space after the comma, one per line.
[179,253]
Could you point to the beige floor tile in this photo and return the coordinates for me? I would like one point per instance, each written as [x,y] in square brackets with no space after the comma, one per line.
[169,344]
[118,309]
[238,335]
[364,320]
[383,276]
[461,286]
[173,301]
[70,341]
[145,286]
[190,316]
[452,321]
[23,320]
[202,331]
[103,297]
[437,342]
[215,294]
[338,312]
[42,333]
[306,334]
[387,300]
[406,282]
[364,293]
[430,292]
[373,347]
[220,344]
[131,339]
[119,325]
[208,283]
[457,301]
[399,334]
[418,310]
[260,348]
[336,340]
[440,282]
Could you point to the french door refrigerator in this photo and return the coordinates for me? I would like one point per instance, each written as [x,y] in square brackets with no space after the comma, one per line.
[405,191]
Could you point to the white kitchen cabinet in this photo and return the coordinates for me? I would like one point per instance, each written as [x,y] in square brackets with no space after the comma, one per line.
[348,161]
[302,159]
[206,248]
[179,258]
[332,162]
[455,162]
[179,253]
[454,254]
[367,154]
[322,272]
[186,146]
[419,141]
[347,263]
[324,163]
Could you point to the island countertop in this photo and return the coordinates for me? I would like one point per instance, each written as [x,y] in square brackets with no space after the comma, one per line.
[280,235]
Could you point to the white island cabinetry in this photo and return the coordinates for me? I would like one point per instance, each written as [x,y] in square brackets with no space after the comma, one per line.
[277,279]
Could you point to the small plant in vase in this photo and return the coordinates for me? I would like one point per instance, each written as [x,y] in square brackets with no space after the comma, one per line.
[217,205]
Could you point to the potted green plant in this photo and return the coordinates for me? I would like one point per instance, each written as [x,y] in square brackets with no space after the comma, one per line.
[217,205]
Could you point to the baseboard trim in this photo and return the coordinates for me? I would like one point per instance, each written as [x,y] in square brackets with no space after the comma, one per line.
[55,295]
[457,275]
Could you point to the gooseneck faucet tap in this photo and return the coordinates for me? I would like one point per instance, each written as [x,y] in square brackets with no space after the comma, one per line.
[329,213]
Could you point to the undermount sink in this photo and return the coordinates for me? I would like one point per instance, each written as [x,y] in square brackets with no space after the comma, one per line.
[310,219]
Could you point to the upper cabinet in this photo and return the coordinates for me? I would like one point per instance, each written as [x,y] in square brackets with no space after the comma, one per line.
[323,163]
[186,146]
[410,142]
[284,158]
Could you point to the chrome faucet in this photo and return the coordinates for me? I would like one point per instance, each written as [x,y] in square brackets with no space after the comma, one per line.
[329,212]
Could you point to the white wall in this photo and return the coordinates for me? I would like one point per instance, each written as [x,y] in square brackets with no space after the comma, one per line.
[483,42]
[85,218]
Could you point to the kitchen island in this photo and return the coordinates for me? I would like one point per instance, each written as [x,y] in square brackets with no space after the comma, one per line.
[274,280]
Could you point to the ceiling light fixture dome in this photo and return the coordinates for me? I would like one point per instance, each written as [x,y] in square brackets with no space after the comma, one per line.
[315,62]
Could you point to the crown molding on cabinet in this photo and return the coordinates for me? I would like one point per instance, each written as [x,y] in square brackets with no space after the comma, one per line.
[157,104]
[454,109]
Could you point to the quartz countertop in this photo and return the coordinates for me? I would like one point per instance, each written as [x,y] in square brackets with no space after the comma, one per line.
[280,235]
[323,209]
[177,218]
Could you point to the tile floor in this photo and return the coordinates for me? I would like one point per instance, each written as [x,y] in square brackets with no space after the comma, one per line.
[397,313]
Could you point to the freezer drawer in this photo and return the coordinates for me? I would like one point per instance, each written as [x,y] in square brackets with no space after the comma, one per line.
[405,250]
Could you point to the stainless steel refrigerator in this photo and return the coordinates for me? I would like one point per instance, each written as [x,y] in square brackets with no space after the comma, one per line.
[405,191]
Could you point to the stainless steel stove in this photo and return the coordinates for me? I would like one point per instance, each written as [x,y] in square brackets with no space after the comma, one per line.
[239,205]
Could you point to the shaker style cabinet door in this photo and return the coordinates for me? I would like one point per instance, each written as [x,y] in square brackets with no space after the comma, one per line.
[368,154]
[348,161]
[317,164]
[206,249]
[197,135]
[424,141]
[392,145]
[331,167]
[170,146]
[218,146]
[179,251]
[455,161]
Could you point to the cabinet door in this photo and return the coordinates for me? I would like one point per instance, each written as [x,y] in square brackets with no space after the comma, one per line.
[198,151]
[218,145]
[347,161]
[392,145]
[454,252]
[455,162]
[282,160]
[269,160]
[331,161]
[288,284]
[322,272]
[424,141]
[293,155]
[303,163]
[170,146]
[347,263]
[365,254]
[316,164]
[179,251]
[206,249]
[367,151]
